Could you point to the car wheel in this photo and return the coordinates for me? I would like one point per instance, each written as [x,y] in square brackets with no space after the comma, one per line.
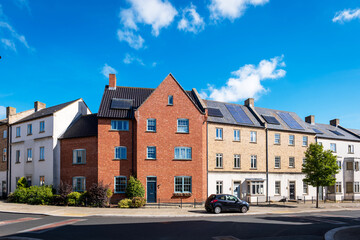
[243,209]
[217,210]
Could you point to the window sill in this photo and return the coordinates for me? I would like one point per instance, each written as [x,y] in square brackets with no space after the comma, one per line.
[17,136]
[113,130]
[29,161]
[237,168]
[291,145]
[181,132]
[118,159]
[170,105]
[176,159]
[255,195]
[218,139]
[29,134]
[277,167]
[304,145]
[147,131]
[41,160]
[17,162]
[253,168]
[219,168]
[291,167]
[253,142]
[41,131]
[350,153]
[236,141]
[150,159]
[277,144]
[119,192]
[182,194]
[79,163]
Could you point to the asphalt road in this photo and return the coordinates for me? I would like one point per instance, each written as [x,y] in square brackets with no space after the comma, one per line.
[295,226]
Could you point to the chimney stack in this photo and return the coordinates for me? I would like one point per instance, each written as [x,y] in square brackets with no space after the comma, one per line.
[39,105]
[10,111]
[310,119]
[249,102]
[335,122]
[112,81]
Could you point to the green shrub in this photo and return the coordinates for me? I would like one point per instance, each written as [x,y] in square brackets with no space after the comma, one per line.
[83,200]
[57,200]
[125,203]
[137,202]
[73,198]
[97,195]
[19,195]
[64,190]
[42,195]
[22,183]
[134,188]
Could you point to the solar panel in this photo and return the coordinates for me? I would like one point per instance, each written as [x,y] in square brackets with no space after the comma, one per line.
[117,103]
[215,112]
[336,132]
[290,121]
[317,131]
[238,114]
[271,119]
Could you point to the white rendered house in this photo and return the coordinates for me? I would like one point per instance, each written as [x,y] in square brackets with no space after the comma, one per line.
[35,148]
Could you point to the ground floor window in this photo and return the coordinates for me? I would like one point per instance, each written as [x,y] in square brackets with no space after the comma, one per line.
[255,187]
[305,188]
[183,184]
[42,181]
[277,187]
[29,180]
[79,184]
[219,187]
[356,187]
[338,187]
[349,187]
[120,184]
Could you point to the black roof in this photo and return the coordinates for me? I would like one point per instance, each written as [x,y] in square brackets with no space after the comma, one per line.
[85,126]
[46,111]
[138,95]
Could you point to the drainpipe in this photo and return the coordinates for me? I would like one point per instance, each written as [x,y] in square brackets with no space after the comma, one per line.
[207,160]
[133,149]
[267,165]
[9,160]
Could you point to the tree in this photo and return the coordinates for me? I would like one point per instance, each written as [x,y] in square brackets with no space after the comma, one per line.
[320,168]
[22,183]
[134,188]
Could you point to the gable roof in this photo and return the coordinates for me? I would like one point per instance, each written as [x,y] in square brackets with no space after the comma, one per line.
[138,95]
[355,131]
[85,126]
[327,133]
[46,111]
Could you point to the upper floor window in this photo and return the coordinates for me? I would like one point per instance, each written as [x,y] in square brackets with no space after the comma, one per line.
[42,126]
[291,140]
[120,153]
[333,147]
[17,159]
[277,138]
[151,152]
[5,134]
[236,160]
[79,156]
[351,148]
[291,162]
[29,129]
[183,125]
[120,184]
[305,141]
[42,153]
[253,162]
[219,160]
[183,153]
[253,136]
[170,100]
[236,135]
[277,162]
[120,125]
[4,155]
[151,125]
[219,133]
[183,184]
[18,131]
[29,155]
[339,164]
[79,184]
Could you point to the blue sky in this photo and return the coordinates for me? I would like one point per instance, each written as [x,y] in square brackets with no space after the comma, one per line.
[301,56]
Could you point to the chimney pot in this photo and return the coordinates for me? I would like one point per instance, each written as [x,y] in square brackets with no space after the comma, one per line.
[310,119]
[10,111]
[335,122]
[112,81]
[39,105]
[249,102]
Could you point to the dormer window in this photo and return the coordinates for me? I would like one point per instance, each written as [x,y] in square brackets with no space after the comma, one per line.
[170,100]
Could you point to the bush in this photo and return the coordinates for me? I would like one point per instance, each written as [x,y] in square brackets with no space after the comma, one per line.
[134,188]
[57,200]
[39,195]
[97,195]
[73,199]
[125,203]
[137,202]
[22,183]
[64,190]
[19,195]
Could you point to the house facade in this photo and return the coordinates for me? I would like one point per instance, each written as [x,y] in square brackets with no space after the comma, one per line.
[35,148]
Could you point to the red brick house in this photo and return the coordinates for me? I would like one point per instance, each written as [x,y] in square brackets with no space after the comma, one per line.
[158,135]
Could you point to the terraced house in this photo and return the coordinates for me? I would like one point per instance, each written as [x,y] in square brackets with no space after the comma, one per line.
[345,144]
[256,153]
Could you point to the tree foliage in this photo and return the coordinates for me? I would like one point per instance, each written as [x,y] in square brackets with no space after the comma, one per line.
[134,188]
[22,183]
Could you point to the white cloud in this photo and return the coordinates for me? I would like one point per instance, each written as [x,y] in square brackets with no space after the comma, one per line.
[131,59]
[157,13]
[2,112]
[191,21]
[134,40]
[106,70]
[231,9]
[8,44]
[346,15]
[246,82]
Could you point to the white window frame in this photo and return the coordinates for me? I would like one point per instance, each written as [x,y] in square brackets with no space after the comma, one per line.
[278,188]
[253,162]
[339,163]
[305,188]
[183,153]
[219,187]
[42,153]
[79,153]
[182,184]
[121,184]
[120,155]
[17,156]
[237,135]
[4,155]
[183,125]
[253,136]
[338,187]
[237,161]
[219,160]
[291,140]
[149,153]
[277,160]
[291,162]
[256,187]
[82,183]
[18,131]
[333,147]
[356,187]
[151,125]
[219,134]
[29,154]
[277,138]
[41,126]
[351,149]
[120,125]
[305,141]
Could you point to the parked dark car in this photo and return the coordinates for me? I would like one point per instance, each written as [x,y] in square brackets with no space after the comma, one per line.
[218,203]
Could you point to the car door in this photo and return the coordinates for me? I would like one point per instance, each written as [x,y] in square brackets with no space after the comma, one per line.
[232,202]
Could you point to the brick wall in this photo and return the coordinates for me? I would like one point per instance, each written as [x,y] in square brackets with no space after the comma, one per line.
[68,170]
[166,138]
[3,144]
